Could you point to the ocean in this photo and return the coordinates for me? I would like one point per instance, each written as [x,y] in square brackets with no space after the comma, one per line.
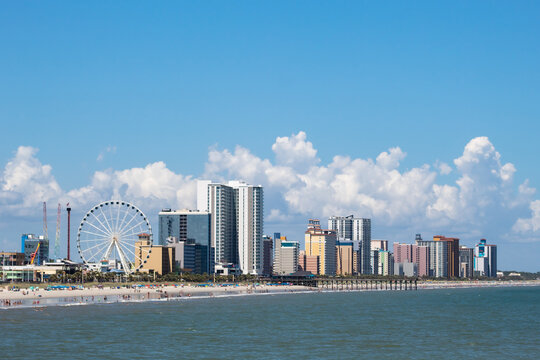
[481,323]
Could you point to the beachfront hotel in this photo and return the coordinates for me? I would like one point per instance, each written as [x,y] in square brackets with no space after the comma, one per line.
[321,243]
[286,257]
[356,230]
[236,210]
[485,259]
[189,231]
[160,258]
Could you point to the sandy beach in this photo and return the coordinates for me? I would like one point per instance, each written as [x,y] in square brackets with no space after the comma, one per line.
[108,294]
[38,297]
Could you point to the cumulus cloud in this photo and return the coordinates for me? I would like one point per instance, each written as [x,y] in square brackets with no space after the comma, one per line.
[26,182]
[532,224]
[153,187]
[295,152]
[297,186]
[484,194]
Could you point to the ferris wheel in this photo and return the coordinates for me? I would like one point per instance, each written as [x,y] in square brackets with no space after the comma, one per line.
[113,230]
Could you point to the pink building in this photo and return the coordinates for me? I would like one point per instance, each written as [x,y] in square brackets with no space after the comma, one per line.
[404,253]
[421,259]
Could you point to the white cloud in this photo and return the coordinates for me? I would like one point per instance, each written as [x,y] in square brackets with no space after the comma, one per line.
[26,182]
[532,224]
[241,164]
[295,152]
[482,199]
[390,160]
[153,187]
[483,193]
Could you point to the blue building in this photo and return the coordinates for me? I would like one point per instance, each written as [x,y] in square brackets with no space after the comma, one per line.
[29,244]
[193,229]
[485,259]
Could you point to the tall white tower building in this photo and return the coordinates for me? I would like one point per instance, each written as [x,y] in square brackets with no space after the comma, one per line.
[219,201]
[237,222]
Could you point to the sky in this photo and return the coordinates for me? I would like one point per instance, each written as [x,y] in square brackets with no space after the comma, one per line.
[421,115]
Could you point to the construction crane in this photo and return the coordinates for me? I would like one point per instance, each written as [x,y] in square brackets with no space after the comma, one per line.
[34,254]
[57,240]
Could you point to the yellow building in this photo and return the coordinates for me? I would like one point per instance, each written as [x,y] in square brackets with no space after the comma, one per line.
[322,243]
[160,258]
[345,258]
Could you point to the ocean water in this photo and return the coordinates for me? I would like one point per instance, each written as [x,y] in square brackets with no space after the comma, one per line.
[496,323]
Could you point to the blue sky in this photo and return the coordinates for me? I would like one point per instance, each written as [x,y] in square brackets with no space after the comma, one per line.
[108,87]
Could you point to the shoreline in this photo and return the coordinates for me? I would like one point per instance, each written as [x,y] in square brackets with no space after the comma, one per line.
[39,298]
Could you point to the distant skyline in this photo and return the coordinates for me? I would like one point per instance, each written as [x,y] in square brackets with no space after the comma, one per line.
[422,116]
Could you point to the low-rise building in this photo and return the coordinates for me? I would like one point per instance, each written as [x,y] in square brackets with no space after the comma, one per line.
[405,269]
[159,258]
[228,269]
[308,263]
[11,258]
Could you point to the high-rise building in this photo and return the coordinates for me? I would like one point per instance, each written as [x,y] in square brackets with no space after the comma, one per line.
[466,261]
[443,255]
[194,228]
[355,229]
[452,253]
[344,258]
[322,243]
[249,224]
[386,263]
[415,254]
[286,259]
[237,222]
[30,243]
[219,201]
[441,259]
[268,255]
[485,259]
[343,226]
[403,252]
[421,259]
[438,256]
